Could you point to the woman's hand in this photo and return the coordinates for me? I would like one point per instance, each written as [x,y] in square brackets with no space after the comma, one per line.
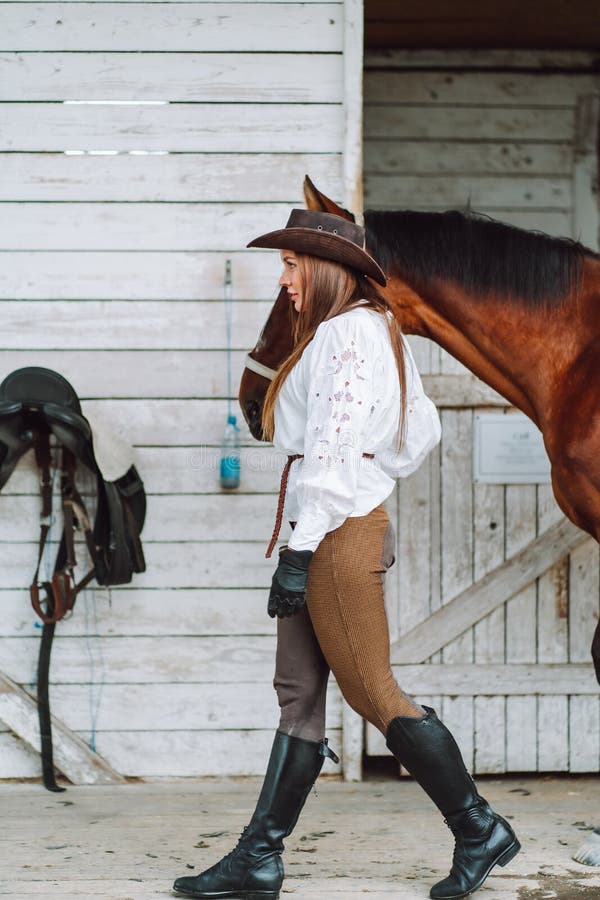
[288,588]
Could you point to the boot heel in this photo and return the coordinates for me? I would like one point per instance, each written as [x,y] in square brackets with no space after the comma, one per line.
[509,854]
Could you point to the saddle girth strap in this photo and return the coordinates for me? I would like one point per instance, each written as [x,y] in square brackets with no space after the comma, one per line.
[61,592]
[54,606]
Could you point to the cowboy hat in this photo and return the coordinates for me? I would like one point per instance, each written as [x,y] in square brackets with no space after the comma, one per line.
[322,234]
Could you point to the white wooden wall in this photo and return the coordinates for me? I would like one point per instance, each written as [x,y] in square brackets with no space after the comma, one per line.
[443,130]
[143,144]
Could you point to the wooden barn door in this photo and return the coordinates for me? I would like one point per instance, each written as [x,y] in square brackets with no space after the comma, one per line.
[496,595]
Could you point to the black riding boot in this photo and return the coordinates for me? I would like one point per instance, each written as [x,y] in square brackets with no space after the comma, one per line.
[483,839]
[254,870]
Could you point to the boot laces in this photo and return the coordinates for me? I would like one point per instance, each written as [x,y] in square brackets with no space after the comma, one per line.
[239,845]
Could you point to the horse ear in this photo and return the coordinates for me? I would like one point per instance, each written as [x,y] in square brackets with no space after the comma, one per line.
[317,201]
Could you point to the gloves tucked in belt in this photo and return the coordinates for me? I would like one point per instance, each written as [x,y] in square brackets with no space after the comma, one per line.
[288,588]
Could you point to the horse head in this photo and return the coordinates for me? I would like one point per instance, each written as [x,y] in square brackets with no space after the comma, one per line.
[272,347]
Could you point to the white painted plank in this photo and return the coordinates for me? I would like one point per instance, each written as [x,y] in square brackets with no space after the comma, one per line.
[138,612]
[139,324]
[552,594]
[470,122]
[199,3]
[72,756]
[521,619]
[553,743]
[375,742]
[521,734]
[136,275]
[182,565]
[467,158]
[136,226]
[489,735]
[491,679]
[17,760]
[421,351]
[195,423]
[147,660]
[584,591]
[458,715]
[456,562]
[146,226]
[352,743]
[192,27]
[502,88]
[488,546]
[489,634]
[137,373]
[457,518]
[181,177]
[584,734]
[391,582]
[173,127]
[353,56]
[193,374]
[215,517]
[178,470]
[492,192]
[196,753]
[521,632]
[169,754]
[481,598]
[586,216]
[449,365]
[172,77]
[414,549]
[177,707]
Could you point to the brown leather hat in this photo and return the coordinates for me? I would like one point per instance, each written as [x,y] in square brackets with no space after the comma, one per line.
[325,235]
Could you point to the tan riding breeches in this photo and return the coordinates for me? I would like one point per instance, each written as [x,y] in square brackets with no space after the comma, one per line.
[344,629]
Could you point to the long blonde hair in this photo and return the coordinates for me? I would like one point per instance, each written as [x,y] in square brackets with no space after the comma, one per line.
[329,289]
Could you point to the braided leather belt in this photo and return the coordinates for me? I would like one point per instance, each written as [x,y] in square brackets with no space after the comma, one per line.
[281,499]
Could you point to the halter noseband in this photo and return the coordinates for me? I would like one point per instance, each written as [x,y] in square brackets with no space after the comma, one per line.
[259,368]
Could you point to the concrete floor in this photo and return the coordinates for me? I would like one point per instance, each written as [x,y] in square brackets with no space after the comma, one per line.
[381,839]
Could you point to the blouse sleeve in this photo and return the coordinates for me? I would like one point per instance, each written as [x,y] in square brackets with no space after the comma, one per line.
[423,427]
[339,404]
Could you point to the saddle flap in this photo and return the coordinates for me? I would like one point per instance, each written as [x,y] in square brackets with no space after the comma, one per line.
[10,408]
[72,430]
[15,438]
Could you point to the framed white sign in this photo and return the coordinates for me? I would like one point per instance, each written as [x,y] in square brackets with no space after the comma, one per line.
[508,449]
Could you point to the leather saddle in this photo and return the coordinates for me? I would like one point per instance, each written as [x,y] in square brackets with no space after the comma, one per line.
[40,410]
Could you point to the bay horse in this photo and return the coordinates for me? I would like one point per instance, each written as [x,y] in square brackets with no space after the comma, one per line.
[520,309]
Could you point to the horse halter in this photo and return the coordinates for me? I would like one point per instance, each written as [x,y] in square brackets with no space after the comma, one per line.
[259,368]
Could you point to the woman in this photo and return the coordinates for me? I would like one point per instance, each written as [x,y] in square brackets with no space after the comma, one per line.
[348,408]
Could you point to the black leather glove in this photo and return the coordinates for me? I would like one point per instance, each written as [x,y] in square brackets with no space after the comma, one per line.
[288,588]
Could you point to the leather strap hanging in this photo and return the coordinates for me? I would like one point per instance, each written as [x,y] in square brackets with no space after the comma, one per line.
[281,499]
[61,592]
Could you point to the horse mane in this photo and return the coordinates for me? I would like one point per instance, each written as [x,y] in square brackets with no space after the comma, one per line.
[482,255]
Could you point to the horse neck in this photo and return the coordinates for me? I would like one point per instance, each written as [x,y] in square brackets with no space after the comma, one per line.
[515,349]
[275,340]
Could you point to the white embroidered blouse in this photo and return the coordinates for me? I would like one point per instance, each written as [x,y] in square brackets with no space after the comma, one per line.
[342,399]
